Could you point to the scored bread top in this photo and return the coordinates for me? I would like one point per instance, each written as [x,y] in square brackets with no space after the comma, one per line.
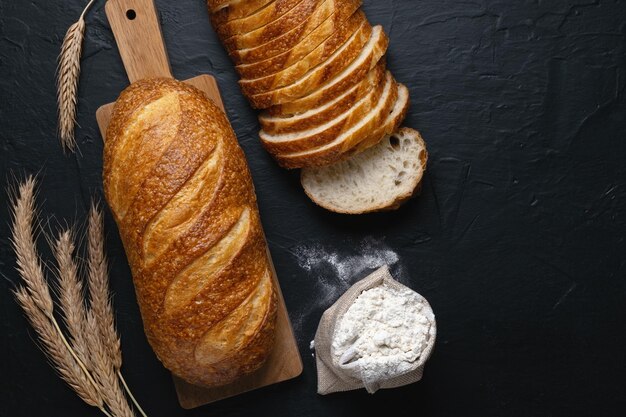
[181,193]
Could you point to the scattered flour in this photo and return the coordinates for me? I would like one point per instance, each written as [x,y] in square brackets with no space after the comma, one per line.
[345,266]
[335,270]
[382,334]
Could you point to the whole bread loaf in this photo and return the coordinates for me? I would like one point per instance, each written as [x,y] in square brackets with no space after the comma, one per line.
[181,194]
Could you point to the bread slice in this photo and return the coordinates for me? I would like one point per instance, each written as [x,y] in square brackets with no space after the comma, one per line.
[349,77]
[217,5]
[369,131]
[348,139]
[325,133]
[317,116]
[322,76]
[381,178]
[256,20]
[333,33]
[319,61]
[290,38]
[274,29]
[390,125]
[236,10]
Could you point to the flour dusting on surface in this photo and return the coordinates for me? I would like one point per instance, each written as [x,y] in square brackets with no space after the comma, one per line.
[333,271]
[369,254]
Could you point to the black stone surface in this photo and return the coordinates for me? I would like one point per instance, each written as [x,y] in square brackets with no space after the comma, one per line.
[517,239]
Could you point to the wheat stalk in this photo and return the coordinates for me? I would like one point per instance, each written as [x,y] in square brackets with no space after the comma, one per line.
[71,296]
[68,72]
[23,239]
[105,372]
[85,327]
[57,351]
[100,300]
[35,299]
[89,359]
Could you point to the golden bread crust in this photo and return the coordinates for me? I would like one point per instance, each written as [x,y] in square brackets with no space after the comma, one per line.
[331,89]
[345,142]
[317,136]
[287,39]
[322,75]
[181,193]
[327,112]
[256,20]
[319,66]
[316,68]
[271,30]
[235,10]
[330,35]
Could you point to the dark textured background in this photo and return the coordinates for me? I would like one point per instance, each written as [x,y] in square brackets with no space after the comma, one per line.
[517,239]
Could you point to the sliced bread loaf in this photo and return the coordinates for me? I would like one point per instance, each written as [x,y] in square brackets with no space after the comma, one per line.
[328,79]
[381,178]
[390,125]
[293,18]
[346,142]
[317,116]
[257,19]
[332,33]
[319,61]
[320,135]
[236,10]
[350,76]
[217,5]
[289,38]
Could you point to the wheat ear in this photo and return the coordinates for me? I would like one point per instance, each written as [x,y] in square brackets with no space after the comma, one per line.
[100,299]
[71,297]
[104,371]
[23,239]
[35,299]
[84,329]
[57,351]
[68,72]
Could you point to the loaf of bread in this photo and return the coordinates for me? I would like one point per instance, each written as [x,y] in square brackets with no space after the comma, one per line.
[306,63]
[181,193]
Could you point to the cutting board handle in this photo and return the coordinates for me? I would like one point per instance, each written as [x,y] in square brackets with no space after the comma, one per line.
[135,25]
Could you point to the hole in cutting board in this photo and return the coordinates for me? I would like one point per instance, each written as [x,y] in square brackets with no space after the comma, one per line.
[131,14]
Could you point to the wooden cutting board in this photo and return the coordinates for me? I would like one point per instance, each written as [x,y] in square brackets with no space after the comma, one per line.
[139,39]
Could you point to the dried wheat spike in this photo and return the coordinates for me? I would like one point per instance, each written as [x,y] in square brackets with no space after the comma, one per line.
[68,72]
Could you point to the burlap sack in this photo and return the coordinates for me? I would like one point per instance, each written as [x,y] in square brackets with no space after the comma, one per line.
[331,377]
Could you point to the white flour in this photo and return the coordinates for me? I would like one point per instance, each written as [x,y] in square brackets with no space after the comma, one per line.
[369,254]
[382,334]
